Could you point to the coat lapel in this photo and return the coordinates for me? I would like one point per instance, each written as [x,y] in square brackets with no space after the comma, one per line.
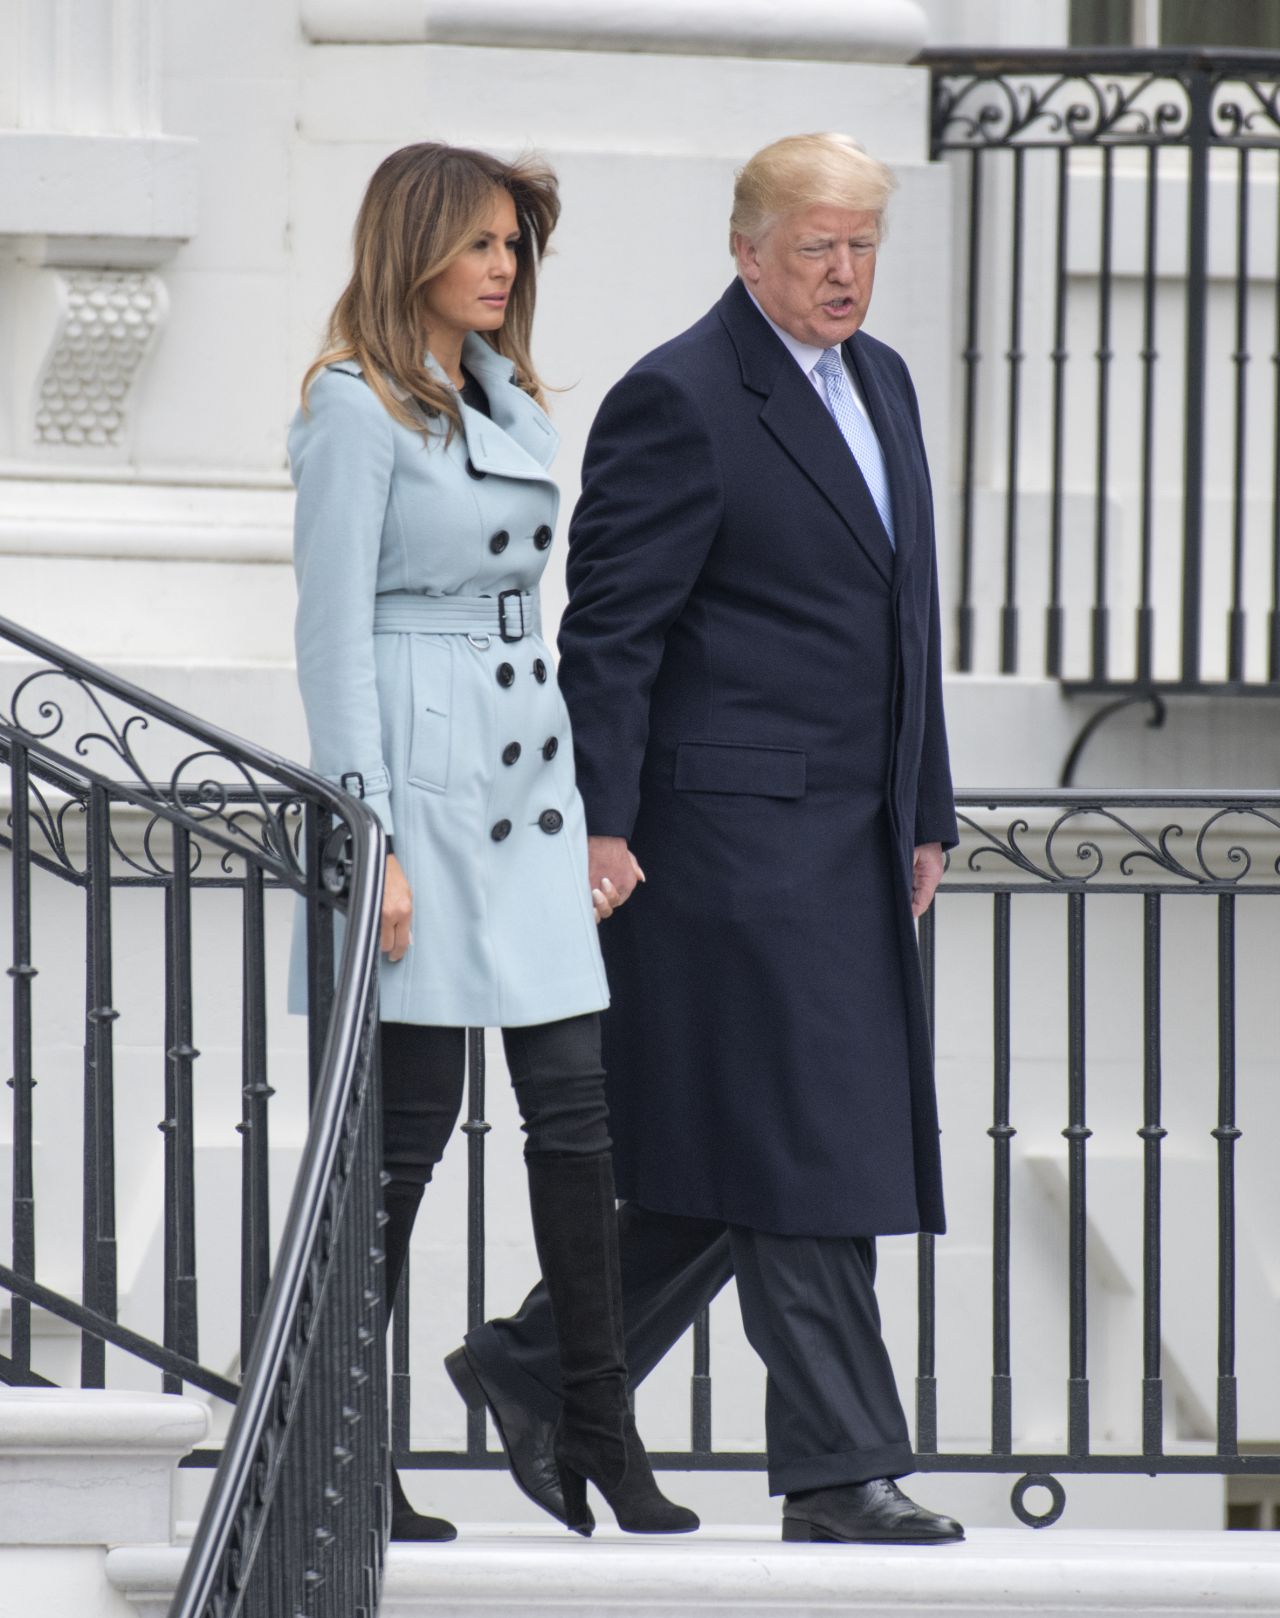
[519,431]
[798,419]
[896,434]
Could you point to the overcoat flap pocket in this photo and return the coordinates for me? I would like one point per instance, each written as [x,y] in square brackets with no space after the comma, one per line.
[766,772]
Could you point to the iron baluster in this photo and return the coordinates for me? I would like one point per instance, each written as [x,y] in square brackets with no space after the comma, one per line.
[926,1267]
[1145,627]
[1199,97]
[1240,360]
[971,359]
[99,1290]
[1227,1134]
[1077,1134]
[22,972]
[1099,616]
[319,944]
[1058,359]
[255,1094]
[180,1317]
[1001,1133]
[1152,1135]
[700,1386]
[1013,359]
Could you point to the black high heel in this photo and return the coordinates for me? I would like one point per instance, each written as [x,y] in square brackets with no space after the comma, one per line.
[577,1513]
[575,1227]
[632,1493]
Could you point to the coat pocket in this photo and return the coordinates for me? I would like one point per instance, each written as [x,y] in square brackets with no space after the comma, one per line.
[431,677]
[763,772]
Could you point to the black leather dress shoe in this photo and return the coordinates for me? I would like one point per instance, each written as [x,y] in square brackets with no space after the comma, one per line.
[874,1513]
[527,1438]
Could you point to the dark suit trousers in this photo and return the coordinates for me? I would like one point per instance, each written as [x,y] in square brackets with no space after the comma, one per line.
[832,1412]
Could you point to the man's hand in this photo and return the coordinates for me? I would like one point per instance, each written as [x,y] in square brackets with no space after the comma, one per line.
[613,873]
[926,873]
[397,910]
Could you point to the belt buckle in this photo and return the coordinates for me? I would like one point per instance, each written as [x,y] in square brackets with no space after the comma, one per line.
[503,597]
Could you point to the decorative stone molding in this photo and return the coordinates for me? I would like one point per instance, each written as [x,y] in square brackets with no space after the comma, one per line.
[91,1467]
[828,30]
[77,321]
[109,323]
[93,199]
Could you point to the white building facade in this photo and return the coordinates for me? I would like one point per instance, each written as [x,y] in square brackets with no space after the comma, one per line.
[177,189]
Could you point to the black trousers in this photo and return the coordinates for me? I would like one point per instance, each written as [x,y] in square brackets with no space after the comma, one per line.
[832,1412]
[559,1085]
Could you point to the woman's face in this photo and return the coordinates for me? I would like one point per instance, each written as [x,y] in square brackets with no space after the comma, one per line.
[472,294]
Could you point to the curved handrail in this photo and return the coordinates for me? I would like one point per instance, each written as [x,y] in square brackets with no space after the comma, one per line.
[206,1585]
[317,1365]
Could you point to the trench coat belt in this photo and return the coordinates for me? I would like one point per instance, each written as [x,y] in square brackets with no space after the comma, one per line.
[511,615]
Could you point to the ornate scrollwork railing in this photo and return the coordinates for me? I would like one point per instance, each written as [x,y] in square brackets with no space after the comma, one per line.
[111,792]
[1056,904]
[1116,265]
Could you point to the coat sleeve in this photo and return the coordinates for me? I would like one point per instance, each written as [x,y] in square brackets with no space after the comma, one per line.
[651,505]
[341,454]
[935,795]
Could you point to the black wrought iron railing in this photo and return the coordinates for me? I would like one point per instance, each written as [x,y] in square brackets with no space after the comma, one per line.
[1117,267]
[1101,971]
[131,828]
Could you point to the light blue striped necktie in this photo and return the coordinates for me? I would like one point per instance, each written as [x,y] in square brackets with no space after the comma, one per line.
[858,433]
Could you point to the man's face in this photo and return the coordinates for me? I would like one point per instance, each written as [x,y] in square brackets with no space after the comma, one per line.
[813,271]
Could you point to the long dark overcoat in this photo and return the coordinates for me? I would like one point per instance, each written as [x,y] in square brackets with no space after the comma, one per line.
[754,679]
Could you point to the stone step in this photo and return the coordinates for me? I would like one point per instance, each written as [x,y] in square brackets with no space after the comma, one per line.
[492,1571]
[81,1470]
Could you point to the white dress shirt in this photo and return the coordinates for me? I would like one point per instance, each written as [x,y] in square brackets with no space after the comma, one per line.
[807,356]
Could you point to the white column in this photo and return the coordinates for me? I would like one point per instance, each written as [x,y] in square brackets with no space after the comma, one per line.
[92,200]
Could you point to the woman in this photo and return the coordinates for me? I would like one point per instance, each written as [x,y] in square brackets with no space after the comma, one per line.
[424,516]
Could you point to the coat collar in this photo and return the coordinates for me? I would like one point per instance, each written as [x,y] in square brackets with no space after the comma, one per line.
[519,441]
[798,419]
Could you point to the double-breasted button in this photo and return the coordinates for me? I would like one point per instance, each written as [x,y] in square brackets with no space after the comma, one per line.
[511,752]
[551,821]
[473,471]
[540,671]
[550,748]
[499,542]
[500,830]
[506,675]
[542,537]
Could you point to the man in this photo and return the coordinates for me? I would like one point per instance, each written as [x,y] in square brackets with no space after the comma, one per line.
[751,661]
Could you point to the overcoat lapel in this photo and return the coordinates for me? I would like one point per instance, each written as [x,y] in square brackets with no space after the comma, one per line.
[797,418]
[894,429]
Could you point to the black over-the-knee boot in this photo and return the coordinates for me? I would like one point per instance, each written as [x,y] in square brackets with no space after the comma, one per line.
[575,1228]
[421,1077]
[402,1207]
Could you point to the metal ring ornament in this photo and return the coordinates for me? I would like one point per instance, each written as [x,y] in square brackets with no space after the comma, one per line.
[1023,1512]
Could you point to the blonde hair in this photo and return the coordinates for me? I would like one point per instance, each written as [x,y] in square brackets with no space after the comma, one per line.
[801,171]
[424,205]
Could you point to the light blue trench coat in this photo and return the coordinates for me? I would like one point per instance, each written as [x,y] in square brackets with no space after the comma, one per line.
[458,738]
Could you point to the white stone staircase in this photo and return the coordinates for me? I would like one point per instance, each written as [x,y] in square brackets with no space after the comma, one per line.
[494,1572]
[79,1472]
[87,1484]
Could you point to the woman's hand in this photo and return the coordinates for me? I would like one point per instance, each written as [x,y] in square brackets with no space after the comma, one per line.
[613,872]
[397,910]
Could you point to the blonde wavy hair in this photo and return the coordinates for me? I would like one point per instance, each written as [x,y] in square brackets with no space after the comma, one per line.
[424,205]
[801,171]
